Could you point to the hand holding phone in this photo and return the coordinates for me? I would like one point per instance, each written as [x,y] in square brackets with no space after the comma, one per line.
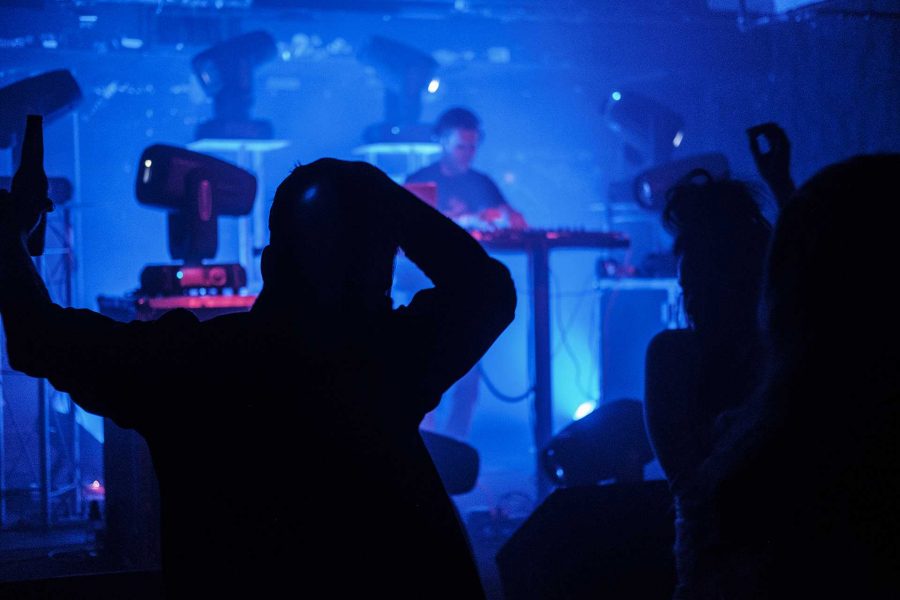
[771,150]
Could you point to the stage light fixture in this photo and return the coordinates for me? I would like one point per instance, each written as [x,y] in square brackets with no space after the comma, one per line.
[225,72]
[651,130]
[407,73]
[195,189]
[609,443]
[650,187]
[51,95]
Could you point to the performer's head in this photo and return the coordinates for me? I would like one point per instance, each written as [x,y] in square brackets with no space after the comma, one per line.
[332,241]
[459,132]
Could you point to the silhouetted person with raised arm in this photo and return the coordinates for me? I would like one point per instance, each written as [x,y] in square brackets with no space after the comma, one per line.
[693,375]
[286,439]
[806,485]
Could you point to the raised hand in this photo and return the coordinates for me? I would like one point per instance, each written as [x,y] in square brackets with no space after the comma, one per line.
[20,218]
[773,163]
[502,217]
[491,217]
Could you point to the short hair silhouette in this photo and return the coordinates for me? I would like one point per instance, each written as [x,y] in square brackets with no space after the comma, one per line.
[838,232]
[457,118]
[322,230]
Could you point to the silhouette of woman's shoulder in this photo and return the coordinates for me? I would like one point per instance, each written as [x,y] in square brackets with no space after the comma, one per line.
[672,348]
[672,380]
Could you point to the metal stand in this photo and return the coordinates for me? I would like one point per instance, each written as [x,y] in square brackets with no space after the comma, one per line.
[539,272]
[44,478]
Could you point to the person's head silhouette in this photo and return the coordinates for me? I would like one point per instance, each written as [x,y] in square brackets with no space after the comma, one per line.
[833,251]
[720,240]
[332,239]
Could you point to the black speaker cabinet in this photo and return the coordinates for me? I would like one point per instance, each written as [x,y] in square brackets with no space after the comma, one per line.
[597,542]
[632,311]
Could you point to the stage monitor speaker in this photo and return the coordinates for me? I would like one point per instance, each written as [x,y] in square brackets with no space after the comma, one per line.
[631,313]
[599,542]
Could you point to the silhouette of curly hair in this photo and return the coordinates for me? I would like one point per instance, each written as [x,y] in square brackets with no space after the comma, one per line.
[721,237]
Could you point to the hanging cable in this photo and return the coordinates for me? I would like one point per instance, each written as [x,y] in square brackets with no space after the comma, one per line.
[500,395]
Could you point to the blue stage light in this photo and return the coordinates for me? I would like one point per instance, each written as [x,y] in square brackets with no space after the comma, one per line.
[584,409]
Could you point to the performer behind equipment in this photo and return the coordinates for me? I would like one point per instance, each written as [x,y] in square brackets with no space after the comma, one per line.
[464,194]
[472,199]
